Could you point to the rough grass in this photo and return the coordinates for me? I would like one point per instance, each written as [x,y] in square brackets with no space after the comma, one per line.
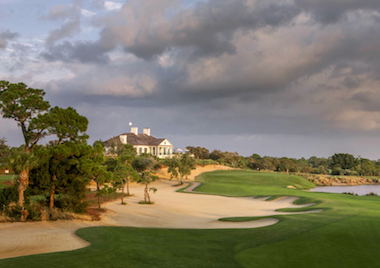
[346,234]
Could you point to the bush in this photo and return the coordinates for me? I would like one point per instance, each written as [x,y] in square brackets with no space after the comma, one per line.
[8,195]
[350,193]
[146,203]
[13,210]
[34,212]
[205,162]
[371,194]
[71,204]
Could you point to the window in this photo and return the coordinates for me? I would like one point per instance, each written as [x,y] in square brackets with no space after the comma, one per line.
[154,150]
[145,150]
[164,151]
[140,150]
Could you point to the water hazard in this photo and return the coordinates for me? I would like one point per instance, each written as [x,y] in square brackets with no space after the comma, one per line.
[357,189]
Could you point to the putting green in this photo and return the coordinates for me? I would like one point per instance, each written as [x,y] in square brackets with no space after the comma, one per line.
[345,234]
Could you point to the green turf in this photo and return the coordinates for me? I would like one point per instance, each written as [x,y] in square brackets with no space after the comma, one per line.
[345,234]
[5,178]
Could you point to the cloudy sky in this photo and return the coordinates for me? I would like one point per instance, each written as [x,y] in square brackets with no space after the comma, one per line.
[274,77]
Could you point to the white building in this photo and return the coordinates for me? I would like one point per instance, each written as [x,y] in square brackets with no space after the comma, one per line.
[143,143]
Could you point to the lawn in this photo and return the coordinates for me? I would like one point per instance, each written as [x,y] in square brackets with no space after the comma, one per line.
[345,234]
[5,178]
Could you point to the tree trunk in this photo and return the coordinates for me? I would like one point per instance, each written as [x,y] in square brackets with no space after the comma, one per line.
[128,187]
[23,181]
[52,192]
[98,190]
[122,193]
[147,193]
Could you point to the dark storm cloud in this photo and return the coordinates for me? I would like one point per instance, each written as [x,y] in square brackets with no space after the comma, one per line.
[209,26]
[80,51]
[5,37]
[331,11]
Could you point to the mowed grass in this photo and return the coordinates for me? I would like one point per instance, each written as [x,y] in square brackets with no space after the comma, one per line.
[345,234]
[5,178]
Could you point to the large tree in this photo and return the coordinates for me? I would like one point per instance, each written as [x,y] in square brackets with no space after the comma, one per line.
[67,125]
[27,107]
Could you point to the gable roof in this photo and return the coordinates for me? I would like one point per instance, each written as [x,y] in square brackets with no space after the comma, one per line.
[140,139]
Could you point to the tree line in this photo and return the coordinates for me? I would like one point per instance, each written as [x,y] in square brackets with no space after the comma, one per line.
[338,164]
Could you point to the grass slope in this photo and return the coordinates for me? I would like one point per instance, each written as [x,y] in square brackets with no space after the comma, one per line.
[345,234]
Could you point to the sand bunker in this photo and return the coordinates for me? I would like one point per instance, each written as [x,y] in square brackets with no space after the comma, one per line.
[163,173]
[172,210]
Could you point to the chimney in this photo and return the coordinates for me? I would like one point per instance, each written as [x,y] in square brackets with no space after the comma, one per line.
[135,130]
[147,131]
[123,139]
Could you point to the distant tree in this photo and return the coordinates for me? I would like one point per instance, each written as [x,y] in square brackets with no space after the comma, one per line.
[199,152]
[146,178]
[5,150]
[256,157]
[173,165]
[252,163]
[96,169]
[180,166]
[216,155]
[144,162]
[268,163]
[321,170]
[124,172]
[367,167]
[344,161]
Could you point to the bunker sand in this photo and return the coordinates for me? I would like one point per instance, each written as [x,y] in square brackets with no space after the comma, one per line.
[171,210]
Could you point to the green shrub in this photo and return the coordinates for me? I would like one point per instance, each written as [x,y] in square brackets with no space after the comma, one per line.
[71,204]
[8,195]
[205,162]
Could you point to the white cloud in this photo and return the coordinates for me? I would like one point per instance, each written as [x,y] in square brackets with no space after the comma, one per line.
[87,13]
[109,5]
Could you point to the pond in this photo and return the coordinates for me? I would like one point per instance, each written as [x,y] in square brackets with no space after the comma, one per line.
[357,189]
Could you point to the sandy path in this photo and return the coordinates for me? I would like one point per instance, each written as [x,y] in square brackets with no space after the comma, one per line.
[172,210]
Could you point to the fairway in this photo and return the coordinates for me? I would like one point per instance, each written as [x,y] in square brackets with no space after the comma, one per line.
[345,234]
[5,178]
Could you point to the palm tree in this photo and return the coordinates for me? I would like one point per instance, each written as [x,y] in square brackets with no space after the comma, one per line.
[22,162]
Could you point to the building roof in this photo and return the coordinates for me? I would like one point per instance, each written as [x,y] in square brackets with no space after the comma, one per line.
[140,139]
